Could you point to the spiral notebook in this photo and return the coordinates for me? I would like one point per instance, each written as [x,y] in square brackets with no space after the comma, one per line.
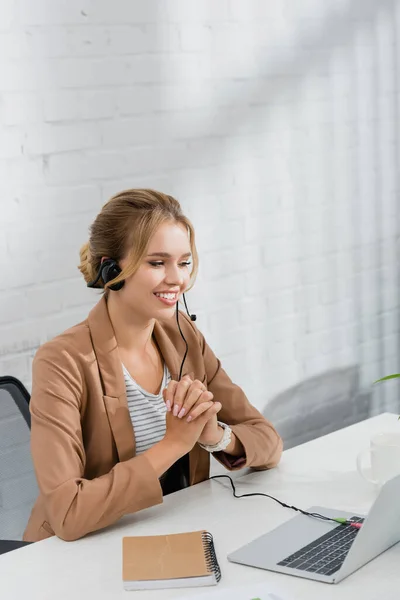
[169,561]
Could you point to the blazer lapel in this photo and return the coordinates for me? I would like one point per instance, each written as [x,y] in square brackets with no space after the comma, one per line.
[167,349]
[112,378]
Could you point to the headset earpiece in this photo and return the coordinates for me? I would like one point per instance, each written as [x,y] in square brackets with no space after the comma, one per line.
[108,271]
[111,270]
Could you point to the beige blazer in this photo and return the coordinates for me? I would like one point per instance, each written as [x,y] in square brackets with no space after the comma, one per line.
[82,439]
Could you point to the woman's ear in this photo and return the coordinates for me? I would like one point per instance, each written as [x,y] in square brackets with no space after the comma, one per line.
[103,258]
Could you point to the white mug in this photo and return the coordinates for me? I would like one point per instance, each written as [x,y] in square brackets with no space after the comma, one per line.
[384,454]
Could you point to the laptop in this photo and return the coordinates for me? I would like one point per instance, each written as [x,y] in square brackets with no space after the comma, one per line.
[325,551]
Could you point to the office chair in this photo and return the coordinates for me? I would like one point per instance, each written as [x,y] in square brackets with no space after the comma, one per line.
[18,487]
[319,405]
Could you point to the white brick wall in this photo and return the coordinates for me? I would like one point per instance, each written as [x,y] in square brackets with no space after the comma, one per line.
[274,123]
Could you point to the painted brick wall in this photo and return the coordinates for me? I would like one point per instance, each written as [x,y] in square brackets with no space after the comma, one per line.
[274,123]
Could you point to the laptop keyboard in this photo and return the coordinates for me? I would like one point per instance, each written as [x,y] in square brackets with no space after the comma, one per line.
[326,554]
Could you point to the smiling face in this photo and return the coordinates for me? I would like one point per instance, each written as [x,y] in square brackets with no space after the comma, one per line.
[163,275]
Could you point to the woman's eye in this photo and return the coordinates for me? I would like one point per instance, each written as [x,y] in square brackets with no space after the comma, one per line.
[156,263]
[159,263]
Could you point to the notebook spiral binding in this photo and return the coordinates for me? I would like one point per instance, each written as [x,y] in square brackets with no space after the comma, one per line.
[211,557]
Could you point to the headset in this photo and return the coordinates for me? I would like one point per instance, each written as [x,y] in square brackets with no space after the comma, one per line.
[109,270]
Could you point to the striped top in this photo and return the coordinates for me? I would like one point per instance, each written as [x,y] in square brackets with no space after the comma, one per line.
[147,411]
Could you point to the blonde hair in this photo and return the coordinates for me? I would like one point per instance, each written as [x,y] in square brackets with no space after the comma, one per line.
[124,227]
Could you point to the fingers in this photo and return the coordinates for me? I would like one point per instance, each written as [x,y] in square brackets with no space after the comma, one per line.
[210,412]
[195,397]
[198,410]
[169,393]
[181,391]
[181,396]
[175,393]
[208,409]
[192,396]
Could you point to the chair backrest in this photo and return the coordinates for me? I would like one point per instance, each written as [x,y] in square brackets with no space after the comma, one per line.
[318,406]
[18,487]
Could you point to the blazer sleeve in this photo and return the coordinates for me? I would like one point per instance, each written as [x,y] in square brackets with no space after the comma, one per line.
[261,442]
[74,505]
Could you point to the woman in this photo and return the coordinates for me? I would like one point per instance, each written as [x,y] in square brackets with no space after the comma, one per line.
[114,425]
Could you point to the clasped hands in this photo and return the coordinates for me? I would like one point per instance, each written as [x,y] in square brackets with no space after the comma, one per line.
[189,400]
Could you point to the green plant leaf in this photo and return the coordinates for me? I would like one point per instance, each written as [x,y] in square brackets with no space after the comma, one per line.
[394,376]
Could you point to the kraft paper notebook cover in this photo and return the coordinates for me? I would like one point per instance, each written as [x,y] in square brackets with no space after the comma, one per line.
[169,561]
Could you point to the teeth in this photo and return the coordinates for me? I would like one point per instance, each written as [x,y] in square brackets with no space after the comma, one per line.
[167,296]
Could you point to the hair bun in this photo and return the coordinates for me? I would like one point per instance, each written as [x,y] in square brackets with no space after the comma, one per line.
[85,266]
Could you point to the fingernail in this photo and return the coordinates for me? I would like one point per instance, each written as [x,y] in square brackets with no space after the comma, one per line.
[181,413]
[168,405]
[189,419]
[176,410]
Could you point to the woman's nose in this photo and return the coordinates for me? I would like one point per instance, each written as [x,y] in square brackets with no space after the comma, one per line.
[174,275]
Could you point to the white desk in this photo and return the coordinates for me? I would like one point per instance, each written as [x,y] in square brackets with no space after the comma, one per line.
[321,472]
